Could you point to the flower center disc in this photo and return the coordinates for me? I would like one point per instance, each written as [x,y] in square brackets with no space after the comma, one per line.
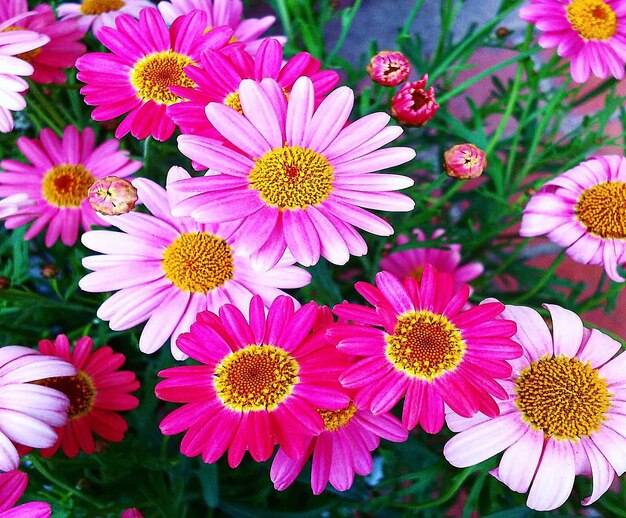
[425,345]
[562,396]
[96,7]
[258,377]
[602,209]
[153,75]
[79,389]
[592,19]
[26,56]
[336,419]
[66,185]
[232,101]
[292,177]
[198,262]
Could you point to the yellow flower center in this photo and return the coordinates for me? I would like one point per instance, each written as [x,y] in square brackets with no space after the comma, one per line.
[96,7]
[336,419]
[425,345]
[257,377]
[232,101]
[79,389]
[602,209]
[592,19]
[26,56]
[66,185]
[198,262]
[562,396]
[292,177]
[153,75]
[417,273]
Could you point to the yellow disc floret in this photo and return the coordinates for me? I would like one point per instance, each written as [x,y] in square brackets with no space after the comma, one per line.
[257,377]
[66,185]
[232,101]
[79,389]
[336,419]
[592,19]
[153,75]
[96,7]
[602,209]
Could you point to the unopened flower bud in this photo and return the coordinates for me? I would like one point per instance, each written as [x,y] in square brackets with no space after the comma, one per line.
[49,271]
[389,68]
[502,32]
[413,105]
[464,161]
[112,196]
[5,283]
[132,512]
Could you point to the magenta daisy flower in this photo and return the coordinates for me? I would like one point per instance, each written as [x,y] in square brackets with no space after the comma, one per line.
[299,177]
[220,74]
[411,263]
[428,349]
[592,33]
[341,450]
[12,487]
[137,77]
[95,14]
[584,209]
[563,415]
[168,269]
[58,179]
[97,392]
[223,12]
[259,384]
[28,412]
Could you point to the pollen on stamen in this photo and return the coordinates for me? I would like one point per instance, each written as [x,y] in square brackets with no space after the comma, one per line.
[66,185]
[79,389]
[153,75]
[592,19]
[602,210]
[337,419]
[97,7]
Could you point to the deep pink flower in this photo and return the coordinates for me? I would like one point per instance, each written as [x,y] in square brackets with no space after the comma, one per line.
[299,177]
[12,486]
[428,349]
[220,74]
[58,179]
[413,104]
[464,161]
[259,384]
[584,209]
[389,68]
[137,76]
[592,33]
[564,414]
[95,14]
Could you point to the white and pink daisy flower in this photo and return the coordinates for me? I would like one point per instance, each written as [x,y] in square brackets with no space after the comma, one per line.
[295,176]
[12,486]
[57,181]
[564,414]
[584,210]
[592,33]
[14,204]
[223,12]
[168,269]
[95,14]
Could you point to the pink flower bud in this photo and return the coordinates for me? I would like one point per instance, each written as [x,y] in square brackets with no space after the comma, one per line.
[112,196]
[132,512]
[464,161]
[412,105]
[389,68]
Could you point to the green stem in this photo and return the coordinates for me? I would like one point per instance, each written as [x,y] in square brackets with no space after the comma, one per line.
[41,116]
[409,20]
[285,18]
[346,23]
[46,105]
[542,282]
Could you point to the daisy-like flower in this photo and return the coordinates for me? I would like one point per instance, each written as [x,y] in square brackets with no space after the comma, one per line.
[220,74]
[12,486]
[341,450]
[584,210]
[58,179]
[299,176]
[95,14]
[563,415]
[592,33]
[60,52]
[137,77]
[428,349]
[28,411]
[168,269]
[97,392]
[411,263]
[224,12]
[259,384]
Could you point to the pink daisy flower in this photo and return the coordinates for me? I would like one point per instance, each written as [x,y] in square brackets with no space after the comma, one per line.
[168,269]
[97,392]
[592,33]
[224,12]
[299,176]
[411,263]
[28,411]
[95,14]
[221,73]
[259,383]
[58,179]
[563,415]
[584,209]
[12,487]
[60,52]
[428,349]
[341,450]
[137,77]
